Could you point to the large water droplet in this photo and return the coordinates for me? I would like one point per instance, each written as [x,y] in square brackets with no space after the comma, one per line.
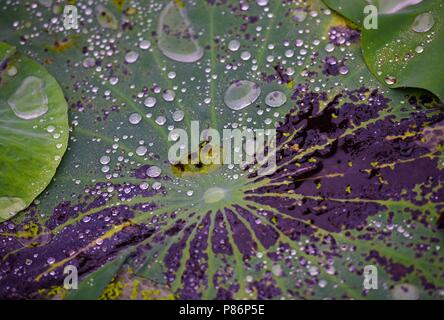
[131,57]
[423,23]
[390,80]
[405,291]
[299,15]
[106,18]
[178,115]
[9,206]
[169,95]
[177,40]
[153,171]
[135,118]
[275,99]
[29,101]
[150,102]
[389,7]
[241,94]
[214,194]
[234,45]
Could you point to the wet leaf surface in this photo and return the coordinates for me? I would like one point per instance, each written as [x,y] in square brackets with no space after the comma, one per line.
[359,166]
[33,130]
[404,50]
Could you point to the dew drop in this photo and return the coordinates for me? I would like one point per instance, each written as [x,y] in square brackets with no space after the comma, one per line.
[168,95]
[113,81]
[343,70]
[160,120]
[405,291]
[171,75]
[9,206]
[419,49]
[153,172]
[141,151]
[179,43]
[299,15]
[234,45]
[178,115]
[214,194]
[150,102]
[89,62]
[262,3]
[390,80]
[241,94]
[245,55]
[135,118]
[105,160]
[275,99]
[50,260]
[11,71]
[330,47]
[423,23]
[144,185]
[106,18]
[145,44]
[131,57]
[29,101]
[157,185]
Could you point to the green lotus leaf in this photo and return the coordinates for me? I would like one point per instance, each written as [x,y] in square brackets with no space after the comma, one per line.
[405,48]
[33,130]
[357,182]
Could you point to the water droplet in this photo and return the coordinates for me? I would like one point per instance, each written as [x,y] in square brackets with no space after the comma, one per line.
[275,99]
[29,101]
[9,206]
[423,23]
[150,102]
[141,151]
[299,15]
[145,44]
[153,172]
[11,71]
[389,7]
[234,45]
[113,81]
[168,95]
[157,185]
[190,193]
[262,3]
[105,159]
[131,57]
[160,120]
[89,62]
[179,43]
[106,18]
[330,47]
[241,94]
[390,80]
[144,185]
[171,75]
[343,70]
[50,260]
[245,55]
[214,194]
[277,270]
[289,53]
[178,115]
[419,49]
[405,291]
[135,118]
